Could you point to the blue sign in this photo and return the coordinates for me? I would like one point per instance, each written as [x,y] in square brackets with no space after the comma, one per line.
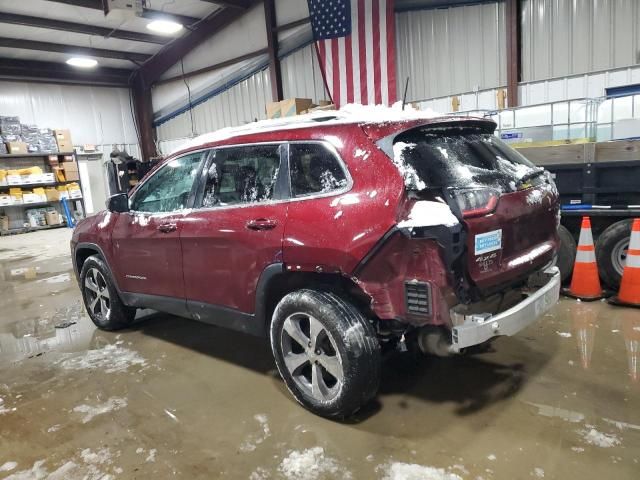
[511,135]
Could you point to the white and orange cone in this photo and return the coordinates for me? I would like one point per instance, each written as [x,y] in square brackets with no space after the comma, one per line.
[629,293]
[585,282]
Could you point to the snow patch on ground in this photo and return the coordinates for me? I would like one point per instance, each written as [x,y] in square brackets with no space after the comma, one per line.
[54,428]
[411,471]
[152,456]
[538,472]
[90,466]
[259,474]
[491,457]
[564,414]
[564,334]
[111,359]
[311,464]
[425,213]
[63,277]
[111,405]
[599,439]
[622,425]
[4,409]
[8,466]
[252,442]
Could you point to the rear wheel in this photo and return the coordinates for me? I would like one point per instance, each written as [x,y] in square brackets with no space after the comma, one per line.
[326,352]
[611,252]
[566,254]
[101,298]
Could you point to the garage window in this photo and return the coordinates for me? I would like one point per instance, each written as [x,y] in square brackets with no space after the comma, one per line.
[314,169]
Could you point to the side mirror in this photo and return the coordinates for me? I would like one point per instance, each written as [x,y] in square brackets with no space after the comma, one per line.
[118,203]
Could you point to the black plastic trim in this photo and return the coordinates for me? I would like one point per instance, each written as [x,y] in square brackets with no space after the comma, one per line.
[172,305]
[225,317]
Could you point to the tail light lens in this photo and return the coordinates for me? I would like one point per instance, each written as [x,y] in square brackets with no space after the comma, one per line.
[476,202]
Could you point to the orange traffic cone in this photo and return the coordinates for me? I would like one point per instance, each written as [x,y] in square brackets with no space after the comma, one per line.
[585,282]
[629,293]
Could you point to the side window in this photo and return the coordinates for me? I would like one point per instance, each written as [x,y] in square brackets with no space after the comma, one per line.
[169,188]
[314,169]
[242,175]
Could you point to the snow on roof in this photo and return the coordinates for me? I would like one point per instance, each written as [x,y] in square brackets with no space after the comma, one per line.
[351,113]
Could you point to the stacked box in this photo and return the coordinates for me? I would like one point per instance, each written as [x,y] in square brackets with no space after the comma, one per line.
[37,217]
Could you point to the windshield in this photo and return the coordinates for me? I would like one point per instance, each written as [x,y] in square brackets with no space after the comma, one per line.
[428,160]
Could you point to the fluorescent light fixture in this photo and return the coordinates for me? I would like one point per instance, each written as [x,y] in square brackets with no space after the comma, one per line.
[164,27]
[82,62]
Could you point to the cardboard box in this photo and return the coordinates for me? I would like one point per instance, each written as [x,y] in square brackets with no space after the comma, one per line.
[321,108]
[273,110]
[17,148]
[52,194]
[63,139]
[52,160]
[59,174]
[68,158]
[324,103]
[30,198]
[70,166]
[5,200]
[294,106]
[33,178]
[4,223]
[53,218]
[71,175]
[14,179]
[48,178]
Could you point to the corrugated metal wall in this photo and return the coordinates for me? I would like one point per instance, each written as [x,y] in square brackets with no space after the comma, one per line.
[96,115]
[242,103]
[565,37]
[301,75]
[446,51]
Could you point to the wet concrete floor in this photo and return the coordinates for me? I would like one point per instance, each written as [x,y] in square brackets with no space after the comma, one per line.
[175,398]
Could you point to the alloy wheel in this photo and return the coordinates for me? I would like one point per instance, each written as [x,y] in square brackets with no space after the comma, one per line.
[311,356]
[97,292]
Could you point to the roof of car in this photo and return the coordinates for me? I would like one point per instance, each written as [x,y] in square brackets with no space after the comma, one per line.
[350,114]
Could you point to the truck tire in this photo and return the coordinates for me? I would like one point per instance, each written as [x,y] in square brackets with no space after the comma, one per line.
[566,254]
[100,296]
[611,252]
[326,352]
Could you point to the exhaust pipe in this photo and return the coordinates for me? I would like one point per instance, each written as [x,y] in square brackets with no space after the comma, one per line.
[434,341]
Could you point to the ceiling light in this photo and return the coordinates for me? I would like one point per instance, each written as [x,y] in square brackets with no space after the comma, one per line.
[82,62]
[165,27]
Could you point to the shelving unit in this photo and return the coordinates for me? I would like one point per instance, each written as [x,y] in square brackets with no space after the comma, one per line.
[17,211]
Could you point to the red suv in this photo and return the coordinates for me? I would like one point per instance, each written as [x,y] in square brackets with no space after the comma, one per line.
[337,237]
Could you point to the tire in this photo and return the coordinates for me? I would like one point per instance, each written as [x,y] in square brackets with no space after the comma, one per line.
[101,299]
[344,341]
[566,253]
[611,249]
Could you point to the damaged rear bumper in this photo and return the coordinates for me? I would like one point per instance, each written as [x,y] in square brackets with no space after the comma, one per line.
[474,329]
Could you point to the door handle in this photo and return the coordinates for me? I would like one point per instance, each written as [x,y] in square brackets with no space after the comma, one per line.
[261,224]
[167,227]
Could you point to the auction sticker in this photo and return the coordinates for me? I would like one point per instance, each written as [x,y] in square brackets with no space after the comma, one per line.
[488,242]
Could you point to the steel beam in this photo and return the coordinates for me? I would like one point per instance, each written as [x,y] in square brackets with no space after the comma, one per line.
[153,68]
[241,4]
[147,12]
[514,58]
[143,115]
[72,50]
[275,73]
[13,69]
[28,21]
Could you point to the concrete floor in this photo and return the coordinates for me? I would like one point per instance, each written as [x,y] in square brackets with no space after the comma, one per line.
[175,398]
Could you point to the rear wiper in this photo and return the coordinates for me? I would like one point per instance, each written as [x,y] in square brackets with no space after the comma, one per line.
[530,175]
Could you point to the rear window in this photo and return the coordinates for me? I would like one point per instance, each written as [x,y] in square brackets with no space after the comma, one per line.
[428,160]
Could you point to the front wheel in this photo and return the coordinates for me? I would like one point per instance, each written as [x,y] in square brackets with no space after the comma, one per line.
[326,352]
[101,299]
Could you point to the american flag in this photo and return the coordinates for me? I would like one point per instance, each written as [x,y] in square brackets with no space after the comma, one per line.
[355,41]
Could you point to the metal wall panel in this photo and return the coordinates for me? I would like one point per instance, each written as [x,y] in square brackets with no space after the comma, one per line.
[301,75]
[445,51]
[96,115]
[567,37]
[240,104]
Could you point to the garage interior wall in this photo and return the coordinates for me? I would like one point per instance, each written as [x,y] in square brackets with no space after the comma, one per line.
[449,50]
[567,37]
[100,116]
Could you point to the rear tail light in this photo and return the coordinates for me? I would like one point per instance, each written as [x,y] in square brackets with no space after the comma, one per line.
[476,202]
